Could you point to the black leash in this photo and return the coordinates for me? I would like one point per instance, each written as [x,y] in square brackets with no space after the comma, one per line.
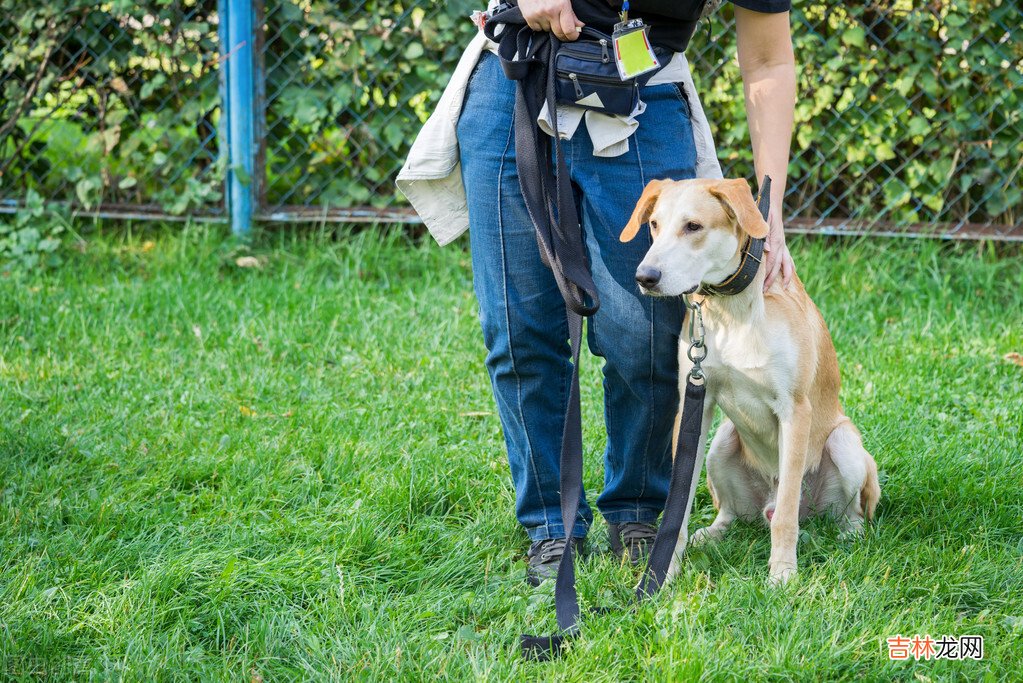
[527,58]
[683,468]
[566,600]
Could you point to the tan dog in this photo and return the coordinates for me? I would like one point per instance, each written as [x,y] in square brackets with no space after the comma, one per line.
[786,450]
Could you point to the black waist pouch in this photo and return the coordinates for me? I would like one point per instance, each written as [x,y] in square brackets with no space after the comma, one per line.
[586,75]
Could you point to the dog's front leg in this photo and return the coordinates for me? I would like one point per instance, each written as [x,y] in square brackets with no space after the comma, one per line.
[795,438]
[683,537]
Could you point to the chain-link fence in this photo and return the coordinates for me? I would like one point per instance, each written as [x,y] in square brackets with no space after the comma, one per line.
[909,118]
[109,105]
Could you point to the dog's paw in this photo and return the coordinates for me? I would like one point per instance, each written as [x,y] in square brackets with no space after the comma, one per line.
[852,530]
[674,567]
[781,574]
[707,534]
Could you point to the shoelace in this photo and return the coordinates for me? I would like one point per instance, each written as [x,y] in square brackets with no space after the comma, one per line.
[637,532]
[550,549]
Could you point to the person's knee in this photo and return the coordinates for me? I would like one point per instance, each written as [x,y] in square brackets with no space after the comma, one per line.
[528,345]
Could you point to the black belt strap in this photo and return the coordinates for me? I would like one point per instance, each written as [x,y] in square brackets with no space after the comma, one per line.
[683,470]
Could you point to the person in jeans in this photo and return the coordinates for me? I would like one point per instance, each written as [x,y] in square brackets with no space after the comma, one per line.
[521,310]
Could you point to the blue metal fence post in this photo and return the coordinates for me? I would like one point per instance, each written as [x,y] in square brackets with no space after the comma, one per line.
[240,109]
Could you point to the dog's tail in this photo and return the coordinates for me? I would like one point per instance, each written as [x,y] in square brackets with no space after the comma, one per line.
[870,494]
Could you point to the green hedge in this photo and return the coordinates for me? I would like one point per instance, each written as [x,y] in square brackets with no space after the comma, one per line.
[907,112]
[113,102]
[906,115]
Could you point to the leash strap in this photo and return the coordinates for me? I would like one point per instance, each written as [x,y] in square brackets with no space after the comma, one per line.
[566,600]
[527,58]
[683,471]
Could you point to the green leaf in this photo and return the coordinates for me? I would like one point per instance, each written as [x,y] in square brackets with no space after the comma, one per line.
[229,568]
[85,190]
[152,85]
[918,125]
[414,51]
[854,37]
[884,151]
[48,244]
[466,632]
[372,45]
[394,134]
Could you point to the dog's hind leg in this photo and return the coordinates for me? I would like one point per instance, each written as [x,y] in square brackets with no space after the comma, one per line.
[852,490]
[735,489]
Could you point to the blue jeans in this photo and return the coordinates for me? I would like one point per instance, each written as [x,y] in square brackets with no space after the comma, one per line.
[523,315]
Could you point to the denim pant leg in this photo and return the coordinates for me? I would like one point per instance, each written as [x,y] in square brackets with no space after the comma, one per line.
[636,335]
[521,310]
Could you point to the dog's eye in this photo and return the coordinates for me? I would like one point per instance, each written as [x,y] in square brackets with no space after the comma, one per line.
[693,227]
[653,225]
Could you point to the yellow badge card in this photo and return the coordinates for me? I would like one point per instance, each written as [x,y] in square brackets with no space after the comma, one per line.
[633,53]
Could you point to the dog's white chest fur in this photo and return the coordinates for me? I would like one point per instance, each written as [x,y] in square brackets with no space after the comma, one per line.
[749,373]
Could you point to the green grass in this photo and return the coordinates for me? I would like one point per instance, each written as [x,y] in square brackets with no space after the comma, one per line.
[209,472]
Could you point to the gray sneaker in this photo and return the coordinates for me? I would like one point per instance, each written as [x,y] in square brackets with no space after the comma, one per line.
[634,538]
[545,558]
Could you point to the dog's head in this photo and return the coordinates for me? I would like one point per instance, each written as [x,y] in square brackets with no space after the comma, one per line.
[698,228]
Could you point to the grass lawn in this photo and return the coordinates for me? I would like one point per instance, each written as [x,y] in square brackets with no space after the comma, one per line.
[296,471]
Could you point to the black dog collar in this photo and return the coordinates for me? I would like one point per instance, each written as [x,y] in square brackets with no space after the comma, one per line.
[751,256]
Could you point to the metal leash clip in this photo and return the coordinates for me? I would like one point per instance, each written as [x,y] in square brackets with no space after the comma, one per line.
[697,350]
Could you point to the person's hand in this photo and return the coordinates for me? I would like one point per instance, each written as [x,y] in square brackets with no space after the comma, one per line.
[555,16]
[776,253]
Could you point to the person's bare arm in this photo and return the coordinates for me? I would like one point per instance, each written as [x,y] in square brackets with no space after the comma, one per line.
[768,70]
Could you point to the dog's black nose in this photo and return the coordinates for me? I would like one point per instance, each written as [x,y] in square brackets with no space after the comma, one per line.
[647,276]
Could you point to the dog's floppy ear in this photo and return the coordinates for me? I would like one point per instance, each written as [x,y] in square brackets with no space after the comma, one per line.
[644,207]
[735,196]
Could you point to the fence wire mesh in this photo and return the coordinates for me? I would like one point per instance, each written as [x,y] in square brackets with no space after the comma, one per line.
[110,104]
[348,86]
[909,116]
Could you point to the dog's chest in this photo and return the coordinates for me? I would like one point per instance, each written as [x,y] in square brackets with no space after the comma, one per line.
[749,399]
[748,374]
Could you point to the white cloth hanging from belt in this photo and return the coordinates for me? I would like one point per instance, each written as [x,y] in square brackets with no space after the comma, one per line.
[431,178]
